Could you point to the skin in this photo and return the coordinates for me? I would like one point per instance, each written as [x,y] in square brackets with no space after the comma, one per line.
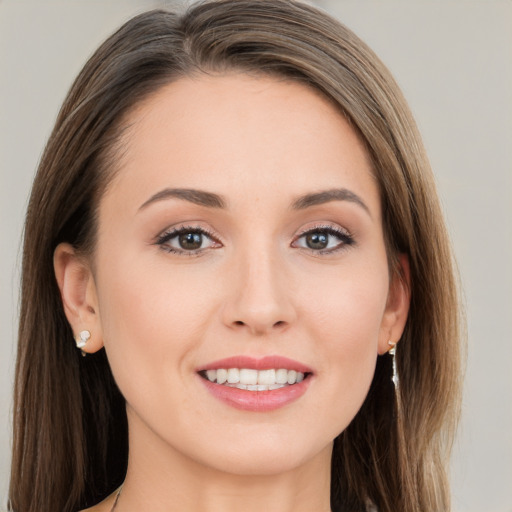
[255,288]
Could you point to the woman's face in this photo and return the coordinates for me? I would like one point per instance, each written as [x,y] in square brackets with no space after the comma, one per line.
[242,232]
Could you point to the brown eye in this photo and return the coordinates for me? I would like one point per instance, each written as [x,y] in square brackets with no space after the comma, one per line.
[190,241]
[324,240]
[187,240]
[317,240]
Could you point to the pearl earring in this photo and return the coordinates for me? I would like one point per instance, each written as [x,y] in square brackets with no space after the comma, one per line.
[82,339]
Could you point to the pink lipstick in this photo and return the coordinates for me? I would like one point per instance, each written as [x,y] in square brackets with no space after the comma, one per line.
[256,384]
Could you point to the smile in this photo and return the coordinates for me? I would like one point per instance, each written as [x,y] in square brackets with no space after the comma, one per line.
[254,380]
[256,384]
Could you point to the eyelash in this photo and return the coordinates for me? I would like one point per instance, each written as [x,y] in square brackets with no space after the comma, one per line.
[163,239]
[346,240]
[342,235]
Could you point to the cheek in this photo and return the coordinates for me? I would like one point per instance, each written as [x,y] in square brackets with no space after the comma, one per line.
[347,305]
[152,320]
[345,318]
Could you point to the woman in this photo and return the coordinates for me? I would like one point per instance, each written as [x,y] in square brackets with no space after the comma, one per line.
[235,222]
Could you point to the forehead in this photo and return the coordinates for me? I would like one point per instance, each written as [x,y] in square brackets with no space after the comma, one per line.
[234,133]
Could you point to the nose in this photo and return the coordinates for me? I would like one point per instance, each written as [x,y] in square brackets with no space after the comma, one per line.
[261,299]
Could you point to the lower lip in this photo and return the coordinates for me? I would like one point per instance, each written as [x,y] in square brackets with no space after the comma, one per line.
[257,401]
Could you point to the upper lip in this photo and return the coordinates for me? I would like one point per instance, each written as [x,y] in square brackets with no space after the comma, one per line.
[257,363]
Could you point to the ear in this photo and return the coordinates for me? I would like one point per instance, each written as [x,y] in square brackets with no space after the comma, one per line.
[78,294]
[397,306]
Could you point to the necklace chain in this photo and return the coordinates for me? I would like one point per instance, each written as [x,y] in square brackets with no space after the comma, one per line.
[117,499]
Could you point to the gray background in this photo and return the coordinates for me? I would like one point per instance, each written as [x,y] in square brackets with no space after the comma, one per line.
[452,59]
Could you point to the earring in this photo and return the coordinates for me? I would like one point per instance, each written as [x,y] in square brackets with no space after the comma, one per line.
[392,351]
[82,339]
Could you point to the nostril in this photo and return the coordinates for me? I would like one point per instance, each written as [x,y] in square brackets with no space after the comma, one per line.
[260,328]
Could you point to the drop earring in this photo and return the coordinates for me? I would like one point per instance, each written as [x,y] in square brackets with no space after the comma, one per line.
[392,351]
[82,339]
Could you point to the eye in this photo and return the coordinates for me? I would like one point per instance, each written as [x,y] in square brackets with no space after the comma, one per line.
[325,239]
[187,240]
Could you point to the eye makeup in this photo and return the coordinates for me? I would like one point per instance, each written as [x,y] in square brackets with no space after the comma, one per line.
[192,240]
[187,240]
[324,239]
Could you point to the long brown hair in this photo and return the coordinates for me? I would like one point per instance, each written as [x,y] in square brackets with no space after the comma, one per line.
[70,430]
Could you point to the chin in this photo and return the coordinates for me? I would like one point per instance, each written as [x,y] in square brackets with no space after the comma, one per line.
[266,457]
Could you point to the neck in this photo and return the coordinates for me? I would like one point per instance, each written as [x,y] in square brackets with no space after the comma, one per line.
[160,478]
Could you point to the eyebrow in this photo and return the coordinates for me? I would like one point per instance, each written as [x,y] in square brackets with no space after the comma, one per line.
[211,200]
[199,197]
[326,196]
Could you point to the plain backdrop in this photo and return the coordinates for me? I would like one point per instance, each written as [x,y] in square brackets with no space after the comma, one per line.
[453,60]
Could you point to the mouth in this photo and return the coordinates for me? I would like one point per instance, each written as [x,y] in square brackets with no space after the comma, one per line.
[256,384]
[251,379]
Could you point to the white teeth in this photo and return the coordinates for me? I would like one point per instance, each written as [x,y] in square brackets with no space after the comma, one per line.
[222,376]
[254,380]
[256,387]
[233,375]
[282,376]
[267,377]
[248,377]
